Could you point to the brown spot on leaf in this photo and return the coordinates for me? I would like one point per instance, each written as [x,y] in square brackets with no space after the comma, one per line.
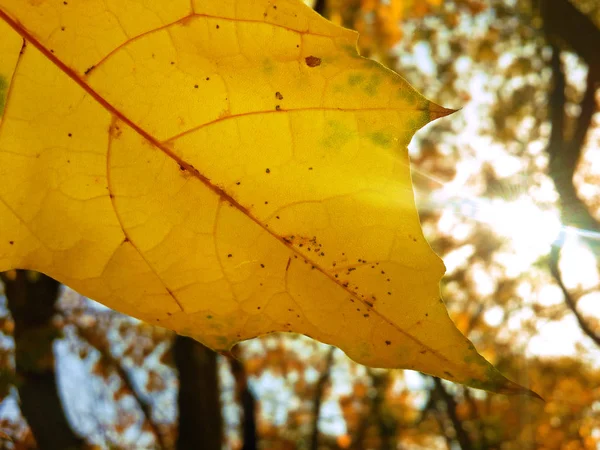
[312,61]
[278,96]
[388,342]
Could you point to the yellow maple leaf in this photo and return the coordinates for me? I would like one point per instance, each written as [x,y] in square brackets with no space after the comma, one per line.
[224,169]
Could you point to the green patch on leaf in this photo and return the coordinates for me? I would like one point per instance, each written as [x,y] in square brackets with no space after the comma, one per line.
[336,135]
[351,51]
[408,95]
[355,79]
[381,139]
[268,67]
[3,93]
[372,86]
[222,341]
[494,381]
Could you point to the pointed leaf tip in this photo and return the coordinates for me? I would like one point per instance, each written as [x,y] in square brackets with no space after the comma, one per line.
[534,394]
[499,384]
[437,111]
[512,388]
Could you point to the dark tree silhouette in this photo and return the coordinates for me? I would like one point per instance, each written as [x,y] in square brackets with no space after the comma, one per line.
[200,420]
[567,28]
[31,298]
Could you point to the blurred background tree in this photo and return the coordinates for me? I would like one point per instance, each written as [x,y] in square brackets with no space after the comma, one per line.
[509,195]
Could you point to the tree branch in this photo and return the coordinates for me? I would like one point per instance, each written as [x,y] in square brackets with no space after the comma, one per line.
[318,399]
[437,415]
[588,108]
[569,300]
[361,432]
[429,407]
[474,413]
[101,345]
[461,435]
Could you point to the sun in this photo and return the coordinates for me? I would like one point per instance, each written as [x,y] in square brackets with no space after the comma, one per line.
[530,228]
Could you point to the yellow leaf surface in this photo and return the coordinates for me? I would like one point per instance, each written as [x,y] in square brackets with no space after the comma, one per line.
[225,169]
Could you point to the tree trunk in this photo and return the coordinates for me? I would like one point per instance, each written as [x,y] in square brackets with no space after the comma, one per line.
[566,25]
[31,298]
[386,423]
[321,7]
[248,403]
[200,421]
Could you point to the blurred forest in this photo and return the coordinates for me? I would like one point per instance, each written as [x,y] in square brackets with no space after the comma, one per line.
[509,195]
